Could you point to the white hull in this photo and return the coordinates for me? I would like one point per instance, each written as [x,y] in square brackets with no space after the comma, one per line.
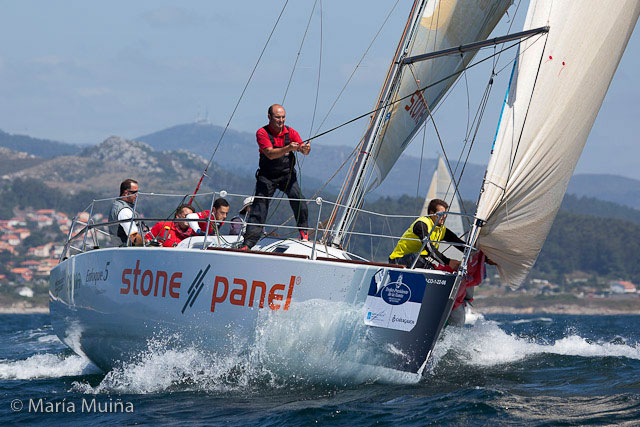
[107,304]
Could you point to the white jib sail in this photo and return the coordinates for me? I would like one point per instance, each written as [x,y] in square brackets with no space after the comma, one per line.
[444,24]
[562,79]
[443,188]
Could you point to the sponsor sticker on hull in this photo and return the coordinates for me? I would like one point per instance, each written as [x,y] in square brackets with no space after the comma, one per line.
[394,299]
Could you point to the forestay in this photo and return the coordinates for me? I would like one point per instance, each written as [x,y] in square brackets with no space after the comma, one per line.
[553,101]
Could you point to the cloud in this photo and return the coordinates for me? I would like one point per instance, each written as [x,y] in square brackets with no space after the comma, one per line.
[171,17]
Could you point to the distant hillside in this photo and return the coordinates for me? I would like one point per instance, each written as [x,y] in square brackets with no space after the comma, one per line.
[592,206]
[102,167]
[238,152]
[614,188]
[12,161]
[39,147]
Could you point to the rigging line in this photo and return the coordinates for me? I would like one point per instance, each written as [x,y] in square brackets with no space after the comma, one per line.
[466,138]
[474,124]
[424,137]
[239,99]
[424,134]
[411,94]
[466,84]
[357,66]
[510,63]
[482,110]
[299,51]
[444,153]
[353,152]
[368,178]
[315,105]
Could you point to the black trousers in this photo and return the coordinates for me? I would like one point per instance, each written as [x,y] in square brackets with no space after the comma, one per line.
[265,187]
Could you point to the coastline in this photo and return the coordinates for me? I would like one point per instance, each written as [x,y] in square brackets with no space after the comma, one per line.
[555,309]
[21,309]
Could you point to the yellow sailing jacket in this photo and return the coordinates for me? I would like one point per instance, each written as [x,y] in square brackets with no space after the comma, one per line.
[407,246]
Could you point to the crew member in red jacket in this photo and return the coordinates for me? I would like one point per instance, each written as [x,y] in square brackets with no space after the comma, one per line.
[218,214]
[169,233]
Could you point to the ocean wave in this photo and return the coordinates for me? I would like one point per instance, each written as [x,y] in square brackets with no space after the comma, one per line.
[318,343]
[46,366]
[486,344]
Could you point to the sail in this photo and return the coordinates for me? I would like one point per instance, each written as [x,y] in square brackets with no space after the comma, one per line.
[443,188]
[555,95]
[444,24]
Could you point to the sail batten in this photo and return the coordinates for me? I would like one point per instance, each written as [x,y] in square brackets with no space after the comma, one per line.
[554,97]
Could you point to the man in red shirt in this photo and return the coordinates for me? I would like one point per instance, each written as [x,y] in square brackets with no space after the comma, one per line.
[169,233]
[277,144]
[218,215]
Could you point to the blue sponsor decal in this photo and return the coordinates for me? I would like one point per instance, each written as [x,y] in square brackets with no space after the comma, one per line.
[397,287]
[395,293]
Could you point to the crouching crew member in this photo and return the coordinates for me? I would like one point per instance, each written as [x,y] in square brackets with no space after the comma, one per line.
[277,144]
[407,249]
[170,233]
[218,215]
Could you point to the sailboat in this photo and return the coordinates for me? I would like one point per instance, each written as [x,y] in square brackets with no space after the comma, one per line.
[108,303]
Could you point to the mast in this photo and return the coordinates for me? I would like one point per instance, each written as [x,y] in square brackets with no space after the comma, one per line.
[354,188]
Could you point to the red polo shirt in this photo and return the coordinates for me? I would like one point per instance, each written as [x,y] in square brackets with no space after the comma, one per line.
[264,142]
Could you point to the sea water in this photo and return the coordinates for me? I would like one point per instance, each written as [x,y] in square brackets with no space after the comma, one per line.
[501,369]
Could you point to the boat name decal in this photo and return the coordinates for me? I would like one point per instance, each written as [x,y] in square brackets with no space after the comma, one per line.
[101,275]
[195,288]
[238,296]
[150,281]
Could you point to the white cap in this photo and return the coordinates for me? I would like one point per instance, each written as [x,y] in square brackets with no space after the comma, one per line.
[246,203]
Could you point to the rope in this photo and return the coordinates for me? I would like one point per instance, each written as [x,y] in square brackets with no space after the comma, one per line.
[239,100]
[390,103]
[357,65]
[299,51]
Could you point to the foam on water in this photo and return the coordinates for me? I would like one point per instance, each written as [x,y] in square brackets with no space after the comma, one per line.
[323,343]
[317,342]
[487,345]
[46,366]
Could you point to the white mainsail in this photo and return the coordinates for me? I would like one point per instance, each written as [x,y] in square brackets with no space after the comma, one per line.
[443,24]
[562,79]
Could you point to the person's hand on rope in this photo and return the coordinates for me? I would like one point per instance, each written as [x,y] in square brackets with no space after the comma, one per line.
[304,148]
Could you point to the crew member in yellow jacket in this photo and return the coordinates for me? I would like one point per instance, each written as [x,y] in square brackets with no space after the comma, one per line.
[407,249]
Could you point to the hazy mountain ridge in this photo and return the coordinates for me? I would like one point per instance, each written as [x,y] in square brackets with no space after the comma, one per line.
[612,188]
[39,147]
[102,167]
[237,157]
[12,161]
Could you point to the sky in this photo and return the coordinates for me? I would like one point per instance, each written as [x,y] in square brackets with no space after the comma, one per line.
[79,72]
